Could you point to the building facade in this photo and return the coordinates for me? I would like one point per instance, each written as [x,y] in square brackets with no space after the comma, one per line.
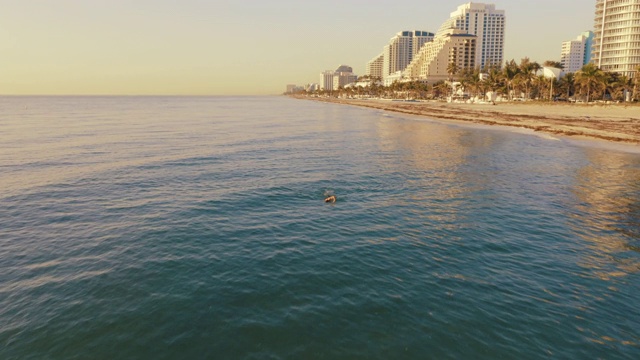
[374,67]
[451,46]
[326,80]
[334,79]
[397,76]
[616,45]
[487,24]
[341,79]
[401,50]
[550,72]
[576,53]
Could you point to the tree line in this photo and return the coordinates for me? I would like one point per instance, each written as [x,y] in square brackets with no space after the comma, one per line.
[511,81]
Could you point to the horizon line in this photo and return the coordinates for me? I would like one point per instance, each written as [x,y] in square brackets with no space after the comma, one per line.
[134,95]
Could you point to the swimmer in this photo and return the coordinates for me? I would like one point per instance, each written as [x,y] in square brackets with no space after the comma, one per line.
[330,199]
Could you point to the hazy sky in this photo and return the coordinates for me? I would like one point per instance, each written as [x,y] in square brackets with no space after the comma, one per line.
[233,47]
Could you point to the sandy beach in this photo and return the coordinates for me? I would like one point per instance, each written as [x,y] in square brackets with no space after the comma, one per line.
[611,122]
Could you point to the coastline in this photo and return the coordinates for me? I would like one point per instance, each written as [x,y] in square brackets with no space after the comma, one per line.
[615,122]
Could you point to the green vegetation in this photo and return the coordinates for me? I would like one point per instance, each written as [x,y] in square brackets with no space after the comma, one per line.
[516,82]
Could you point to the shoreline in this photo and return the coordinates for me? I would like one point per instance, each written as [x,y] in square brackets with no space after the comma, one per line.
[617,123]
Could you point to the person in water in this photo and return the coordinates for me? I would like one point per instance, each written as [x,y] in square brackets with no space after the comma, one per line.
[330,199]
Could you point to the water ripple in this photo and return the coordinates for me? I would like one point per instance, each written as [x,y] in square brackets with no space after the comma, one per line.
[161,228]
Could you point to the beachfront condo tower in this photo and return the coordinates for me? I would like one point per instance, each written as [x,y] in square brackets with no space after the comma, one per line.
[374,67]
[616,46]
[401,50]
[432,63]
[326,80]
[576,53]
[333,80]
[487,24]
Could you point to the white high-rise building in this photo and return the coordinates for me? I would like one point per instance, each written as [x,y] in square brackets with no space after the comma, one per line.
[616,45]
[576,53]
[401,50]
[326,80]
[374,67]
[431,64]
[487,24]
[333,80]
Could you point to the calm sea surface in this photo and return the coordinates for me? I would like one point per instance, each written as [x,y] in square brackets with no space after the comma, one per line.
[195,227]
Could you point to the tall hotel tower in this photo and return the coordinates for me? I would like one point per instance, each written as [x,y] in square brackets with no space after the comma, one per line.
[576,53]
[401,50]
[431,64]
[487,24]
[374,67]
[616,46]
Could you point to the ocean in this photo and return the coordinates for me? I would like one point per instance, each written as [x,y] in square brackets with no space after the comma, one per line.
[195,228]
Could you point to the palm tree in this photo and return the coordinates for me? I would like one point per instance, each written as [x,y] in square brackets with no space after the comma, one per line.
[423,88]
[438,89]
[540,87]
[636,83]
[568,82]
[535,67]
[619,85]
[410,88]
[591,77]
[375,87]
[510,72]
[528,71]
[554,64]
[471,78]
[452,70]
[494,79]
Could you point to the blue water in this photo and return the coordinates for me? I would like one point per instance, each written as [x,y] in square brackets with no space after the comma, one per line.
[195,227]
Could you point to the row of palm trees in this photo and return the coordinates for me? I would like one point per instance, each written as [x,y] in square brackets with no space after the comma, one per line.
[512,81]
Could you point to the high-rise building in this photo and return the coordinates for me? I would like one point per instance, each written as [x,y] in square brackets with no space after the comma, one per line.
[401,50]
[432,63]
[342,78]
[588,45]
[616,45]
[333,80]
[326,80]
[576,53]
[374,67]
[487,24]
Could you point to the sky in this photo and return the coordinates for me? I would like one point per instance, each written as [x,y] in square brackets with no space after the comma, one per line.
[239,47]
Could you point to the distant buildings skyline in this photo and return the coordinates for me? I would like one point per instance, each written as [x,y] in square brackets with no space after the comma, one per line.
[401,49]
[472,36]
[614,46]
[119,52]
[333,80]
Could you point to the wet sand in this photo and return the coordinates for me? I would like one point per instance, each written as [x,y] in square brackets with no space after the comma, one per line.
[613,122]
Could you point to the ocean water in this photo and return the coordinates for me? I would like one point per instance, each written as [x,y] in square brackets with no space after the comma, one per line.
[195,228]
